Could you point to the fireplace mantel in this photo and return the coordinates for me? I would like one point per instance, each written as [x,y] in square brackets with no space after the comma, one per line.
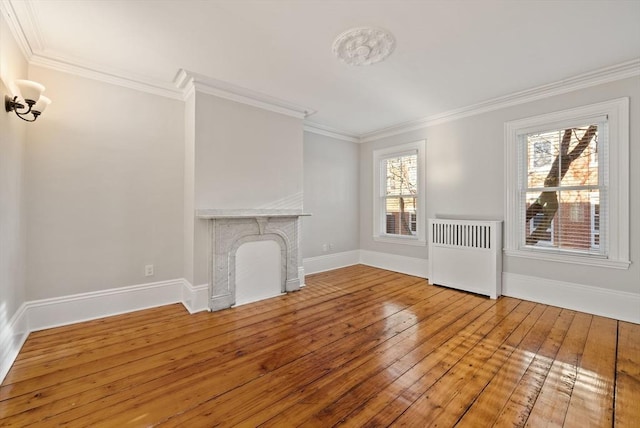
[212,214]
[229,229]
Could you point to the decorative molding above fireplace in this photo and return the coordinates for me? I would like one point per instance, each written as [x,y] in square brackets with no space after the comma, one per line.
[229,229]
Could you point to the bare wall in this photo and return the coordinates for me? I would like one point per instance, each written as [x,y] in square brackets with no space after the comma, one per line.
[13,141]
[105,184]
[331,194]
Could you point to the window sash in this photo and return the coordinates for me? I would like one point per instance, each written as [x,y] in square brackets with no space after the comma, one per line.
[409,213]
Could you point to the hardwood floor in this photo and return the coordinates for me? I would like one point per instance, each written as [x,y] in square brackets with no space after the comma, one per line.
[358,346]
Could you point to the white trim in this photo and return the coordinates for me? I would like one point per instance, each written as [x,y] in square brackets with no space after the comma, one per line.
[101,74]
[619,305]
[403,264]
[27,31]
[327,131]
[393,262]
[568,258]
[401,239]
[604,75]
[301,275]
[58,311]
[12,337]
[185,80]
[331,261]
[8,11]
[195,298]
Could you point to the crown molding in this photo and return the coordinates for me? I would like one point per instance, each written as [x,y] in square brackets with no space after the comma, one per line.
[186,80]
[316,128]
[31,42]
[598,77]
[16,28]
[31,26]
[113,77]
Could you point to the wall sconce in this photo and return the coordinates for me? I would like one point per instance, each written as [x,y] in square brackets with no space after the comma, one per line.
[31,95]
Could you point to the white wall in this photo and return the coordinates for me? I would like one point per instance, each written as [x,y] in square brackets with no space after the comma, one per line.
[331,195]
[104,170]
[13,140]
[245,157]
[189,190]
[465,177]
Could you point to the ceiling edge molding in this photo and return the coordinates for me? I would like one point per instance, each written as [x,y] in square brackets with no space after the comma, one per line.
[582,81]
[31,28]
[119,79]
[316,128]
[16,29]
[185,80]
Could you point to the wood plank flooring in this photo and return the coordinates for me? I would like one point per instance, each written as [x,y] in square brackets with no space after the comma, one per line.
[357,346]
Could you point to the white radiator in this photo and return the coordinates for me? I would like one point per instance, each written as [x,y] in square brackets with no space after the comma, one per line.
[467,255]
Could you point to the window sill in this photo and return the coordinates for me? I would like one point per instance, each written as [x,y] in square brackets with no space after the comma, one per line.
[400,240]
[569,258]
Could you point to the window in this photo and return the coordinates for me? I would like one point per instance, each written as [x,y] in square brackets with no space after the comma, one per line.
[567,185]
[399,194]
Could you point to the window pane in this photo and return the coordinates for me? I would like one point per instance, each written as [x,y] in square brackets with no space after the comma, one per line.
[402,175]
[563,157]
[568,219]
[400,214]
[542,150]
[576,229]
[540,219]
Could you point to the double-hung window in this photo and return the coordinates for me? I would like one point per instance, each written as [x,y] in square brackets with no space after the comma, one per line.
[399,194]
[567,185]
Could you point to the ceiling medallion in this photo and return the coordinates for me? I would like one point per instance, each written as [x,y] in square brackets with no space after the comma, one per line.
[363,46]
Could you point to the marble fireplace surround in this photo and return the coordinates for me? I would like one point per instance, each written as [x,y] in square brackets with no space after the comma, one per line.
[229,229]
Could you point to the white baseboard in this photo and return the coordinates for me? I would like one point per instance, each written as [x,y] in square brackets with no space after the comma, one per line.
[403,264]
[195,298]
[331,261]
[12,337]
[58,311]
[593,300]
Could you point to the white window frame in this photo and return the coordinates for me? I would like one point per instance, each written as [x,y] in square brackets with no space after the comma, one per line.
[616,182]
[379,185]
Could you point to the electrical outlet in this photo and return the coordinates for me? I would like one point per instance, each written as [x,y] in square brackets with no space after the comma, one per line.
[324,247]
[148,270]
[331,246]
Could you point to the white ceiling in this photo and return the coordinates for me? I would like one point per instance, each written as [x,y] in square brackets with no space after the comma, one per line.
[449,54]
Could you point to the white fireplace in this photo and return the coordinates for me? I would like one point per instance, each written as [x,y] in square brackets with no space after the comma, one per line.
[230,229]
